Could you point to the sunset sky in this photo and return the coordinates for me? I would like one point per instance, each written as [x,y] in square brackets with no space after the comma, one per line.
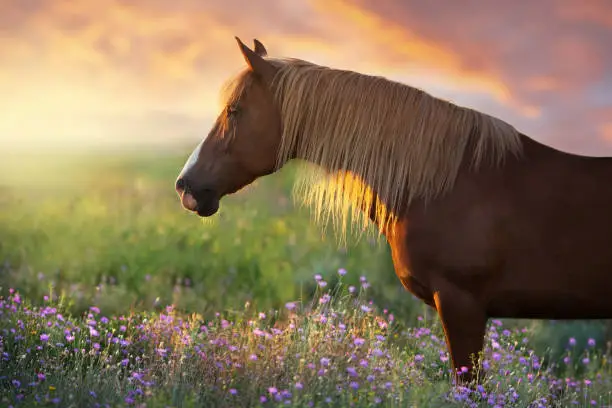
[119,73]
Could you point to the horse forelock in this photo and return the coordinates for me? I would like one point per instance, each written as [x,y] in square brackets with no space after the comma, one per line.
[377,144]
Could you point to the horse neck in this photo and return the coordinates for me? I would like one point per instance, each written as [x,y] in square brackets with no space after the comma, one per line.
[367,208]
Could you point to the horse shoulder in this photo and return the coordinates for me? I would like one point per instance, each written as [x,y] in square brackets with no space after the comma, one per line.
[458,238]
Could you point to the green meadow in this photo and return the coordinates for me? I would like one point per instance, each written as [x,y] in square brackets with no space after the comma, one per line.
[107,231]
[110,230]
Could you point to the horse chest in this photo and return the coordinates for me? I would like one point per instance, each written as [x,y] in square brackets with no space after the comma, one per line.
[424,255]
[410,264]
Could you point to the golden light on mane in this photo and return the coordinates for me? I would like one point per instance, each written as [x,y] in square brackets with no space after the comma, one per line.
[369,134]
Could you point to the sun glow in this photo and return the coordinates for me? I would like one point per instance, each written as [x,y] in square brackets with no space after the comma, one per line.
[84,74]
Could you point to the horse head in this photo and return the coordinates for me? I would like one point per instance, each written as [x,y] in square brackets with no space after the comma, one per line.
[243,142]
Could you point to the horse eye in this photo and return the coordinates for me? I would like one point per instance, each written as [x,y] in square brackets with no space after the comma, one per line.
[232,110]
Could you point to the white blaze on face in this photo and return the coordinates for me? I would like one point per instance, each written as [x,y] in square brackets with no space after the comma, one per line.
[193,158]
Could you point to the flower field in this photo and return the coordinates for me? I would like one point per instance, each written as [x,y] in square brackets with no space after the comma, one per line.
[338,350]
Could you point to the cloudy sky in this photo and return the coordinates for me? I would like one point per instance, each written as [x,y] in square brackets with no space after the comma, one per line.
[78,73]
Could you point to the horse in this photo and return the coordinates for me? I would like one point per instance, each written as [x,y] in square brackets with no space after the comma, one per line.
[482,220]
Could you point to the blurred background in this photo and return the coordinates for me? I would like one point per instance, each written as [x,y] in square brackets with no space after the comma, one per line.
[101,102]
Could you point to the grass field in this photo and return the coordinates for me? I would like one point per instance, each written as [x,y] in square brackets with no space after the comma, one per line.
[108,232]
[114,234]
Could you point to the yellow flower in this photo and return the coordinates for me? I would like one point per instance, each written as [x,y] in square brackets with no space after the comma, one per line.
[51,388]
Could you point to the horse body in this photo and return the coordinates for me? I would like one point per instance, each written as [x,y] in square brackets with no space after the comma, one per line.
[527,234]
[558,261]
[531,239]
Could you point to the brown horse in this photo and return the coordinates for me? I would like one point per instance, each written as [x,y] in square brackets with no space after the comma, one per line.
[482,220]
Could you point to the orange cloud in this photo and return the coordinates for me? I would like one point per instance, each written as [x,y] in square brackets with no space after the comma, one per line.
[532,59]
[398,49]
[116,68]
[606,131]
[543,83]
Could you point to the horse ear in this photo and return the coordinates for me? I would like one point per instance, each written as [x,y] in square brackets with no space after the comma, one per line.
[259,48]
[256,63]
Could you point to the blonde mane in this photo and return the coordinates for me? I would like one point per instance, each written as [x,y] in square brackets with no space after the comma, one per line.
[368,134]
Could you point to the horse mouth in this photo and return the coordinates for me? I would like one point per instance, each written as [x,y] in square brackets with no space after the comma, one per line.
[205,203]
[207,209]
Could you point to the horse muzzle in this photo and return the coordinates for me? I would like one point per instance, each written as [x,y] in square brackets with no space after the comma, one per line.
[204,202]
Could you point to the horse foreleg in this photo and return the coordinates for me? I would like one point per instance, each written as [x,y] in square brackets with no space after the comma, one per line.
[464,321]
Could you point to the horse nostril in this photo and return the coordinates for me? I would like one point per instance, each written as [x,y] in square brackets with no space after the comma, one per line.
[180,185]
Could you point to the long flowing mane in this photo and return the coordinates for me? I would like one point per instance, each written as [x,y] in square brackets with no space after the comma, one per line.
[369,134]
